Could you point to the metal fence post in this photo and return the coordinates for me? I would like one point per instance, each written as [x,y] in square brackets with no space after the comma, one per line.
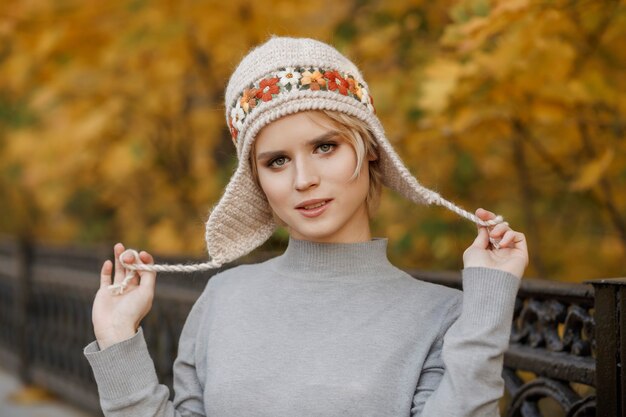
[23,291]
[610,317]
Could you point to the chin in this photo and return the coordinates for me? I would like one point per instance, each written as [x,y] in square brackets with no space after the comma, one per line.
[332,229]
[316,236]
[314,232]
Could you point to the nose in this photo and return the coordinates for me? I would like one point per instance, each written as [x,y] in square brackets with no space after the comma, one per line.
[306,176]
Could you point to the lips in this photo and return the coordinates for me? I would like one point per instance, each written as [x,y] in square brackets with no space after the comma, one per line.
[309,204]
[313,208]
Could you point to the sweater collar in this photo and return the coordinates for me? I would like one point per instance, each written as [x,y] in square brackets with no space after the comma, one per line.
[361,260]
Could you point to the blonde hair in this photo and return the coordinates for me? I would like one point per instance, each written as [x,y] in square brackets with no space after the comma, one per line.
[362,140]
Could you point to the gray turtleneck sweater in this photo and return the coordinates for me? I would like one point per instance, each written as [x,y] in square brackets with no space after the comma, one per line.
[324,330]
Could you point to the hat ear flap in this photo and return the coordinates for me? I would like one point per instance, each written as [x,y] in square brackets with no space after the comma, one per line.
[241,221]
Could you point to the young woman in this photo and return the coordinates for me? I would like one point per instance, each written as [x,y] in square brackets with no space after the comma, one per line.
[329,328]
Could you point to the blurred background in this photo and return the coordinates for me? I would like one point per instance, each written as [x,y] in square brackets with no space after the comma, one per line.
[112,122]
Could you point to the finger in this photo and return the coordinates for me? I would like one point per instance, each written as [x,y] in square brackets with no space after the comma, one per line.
[520,244]
[499,230]
[119,269]
[145,257]
[483,214]
[148,278]
[105,274]
[129,259]
[513,239]
[507,238]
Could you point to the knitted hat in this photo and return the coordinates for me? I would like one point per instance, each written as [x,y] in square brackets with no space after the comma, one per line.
[281,77]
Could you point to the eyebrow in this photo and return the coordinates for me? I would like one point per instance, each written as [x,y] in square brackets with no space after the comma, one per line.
[312,142]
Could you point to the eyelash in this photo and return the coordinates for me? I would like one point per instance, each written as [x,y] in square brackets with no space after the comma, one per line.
[332,146]
[271,163]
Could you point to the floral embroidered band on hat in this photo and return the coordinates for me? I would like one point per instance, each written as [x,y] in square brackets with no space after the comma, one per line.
[291,79]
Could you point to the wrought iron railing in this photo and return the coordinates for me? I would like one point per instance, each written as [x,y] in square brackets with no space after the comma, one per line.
[568,341]
[553,349]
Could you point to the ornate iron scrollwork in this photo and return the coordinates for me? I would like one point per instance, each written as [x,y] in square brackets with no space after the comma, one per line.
[556,325]
[525,397]
[537,322]
[578,334]
[583,408]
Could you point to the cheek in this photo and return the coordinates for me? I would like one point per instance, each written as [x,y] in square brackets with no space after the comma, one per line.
[356,188]
[274,188]
[363,180]
[341,169]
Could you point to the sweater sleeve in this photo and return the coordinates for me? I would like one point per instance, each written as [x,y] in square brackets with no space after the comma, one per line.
[462,374]
[127,381]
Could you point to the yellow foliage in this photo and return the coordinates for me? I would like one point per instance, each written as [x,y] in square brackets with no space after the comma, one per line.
[126,109]
[544,81]
[30,395]
[112,122]
[593,171]
[442,76]
[164,237]
[548,112]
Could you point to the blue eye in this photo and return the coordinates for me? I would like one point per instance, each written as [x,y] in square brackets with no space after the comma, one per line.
[326,147]
[278,162]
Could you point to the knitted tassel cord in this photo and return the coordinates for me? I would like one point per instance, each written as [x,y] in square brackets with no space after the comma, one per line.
[464,213]
[131,269]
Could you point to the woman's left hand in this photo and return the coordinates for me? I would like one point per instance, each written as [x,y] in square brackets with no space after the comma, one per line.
[512,256]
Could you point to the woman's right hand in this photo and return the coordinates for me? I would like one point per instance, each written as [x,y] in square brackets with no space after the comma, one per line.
[117,317]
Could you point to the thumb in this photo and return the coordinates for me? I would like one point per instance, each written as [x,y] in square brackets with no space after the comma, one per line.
[482,240]
[105,274]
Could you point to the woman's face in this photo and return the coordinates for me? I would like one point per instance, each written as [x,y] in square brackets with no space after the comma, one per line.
[305,169]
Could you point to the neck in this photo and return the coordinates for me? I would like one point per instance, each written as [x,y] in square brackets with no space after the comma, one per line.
[339,261]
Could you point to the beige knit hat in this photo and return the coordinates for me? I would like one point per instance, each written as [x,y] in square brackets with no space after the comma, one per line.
[281,77]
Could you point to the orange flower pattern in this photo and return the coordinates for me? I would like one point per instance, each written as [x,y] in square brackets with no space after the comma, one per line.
[248,99]
[314,80]
[267,88]
[233,132]
[336,82]
[291,79]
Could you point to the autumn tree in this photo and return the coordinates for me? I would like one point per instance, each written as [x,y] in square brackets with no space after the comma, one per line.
[112,123]
[112,120]
[528,96]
